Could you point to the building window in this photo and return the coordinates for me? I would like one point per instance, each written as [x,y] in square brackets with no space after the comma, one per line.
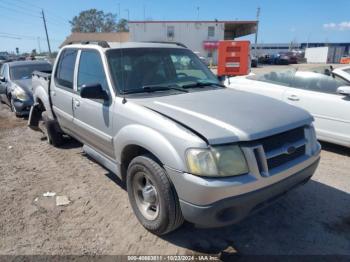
[211,31]
[170,31]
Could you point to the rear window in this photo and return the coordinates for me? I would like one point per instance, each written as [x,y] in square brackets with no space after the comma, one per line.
[65,69]
[25,71]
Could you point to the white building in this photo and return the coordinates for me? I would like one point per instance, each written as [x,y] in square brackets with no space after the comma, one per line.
[199,36]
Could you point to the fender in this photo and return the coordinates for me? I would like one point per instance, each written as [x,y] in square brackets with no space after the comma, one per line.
[40,94]
[151,140]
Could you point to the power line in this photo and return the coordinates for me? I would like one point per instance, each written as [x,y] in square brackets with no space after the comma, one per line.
[18,11]
[52,14]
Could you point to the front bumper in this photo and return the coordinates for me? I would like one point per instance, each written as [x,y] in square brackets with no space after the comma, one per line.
[222,201]
[22,107]
[232,210]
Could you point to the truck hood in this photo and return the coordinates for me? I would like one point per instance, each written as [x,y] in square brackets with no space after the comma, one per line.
[227,115]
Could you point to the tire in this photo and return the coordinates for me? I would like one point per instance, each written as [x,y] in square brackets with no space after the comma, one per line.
[167,216]
[54,137]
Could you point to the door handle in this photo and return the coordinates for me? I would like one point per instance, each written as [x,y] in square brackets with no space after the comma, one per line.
[76,103]
[293,98]
[53,93]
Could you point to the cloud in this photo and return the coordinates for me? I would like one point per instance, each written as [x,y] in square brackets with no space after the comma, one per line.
[340,27]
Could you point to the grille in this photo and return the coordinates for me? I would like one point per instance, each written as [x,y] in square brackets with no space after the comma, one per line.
[284,158]
[279,140]
[276,148]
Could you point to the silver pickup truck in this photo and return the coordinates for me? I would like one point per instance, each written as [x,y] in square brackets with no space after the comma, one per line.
[187,147]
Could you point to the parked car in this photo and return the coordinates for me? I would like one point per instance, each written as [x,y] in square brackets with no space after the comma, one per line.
[187,147]
[3,59]
[15,84]
[325,94]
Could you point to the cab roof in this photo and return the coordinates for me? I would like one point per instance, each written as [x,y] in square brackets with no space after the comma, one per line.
[116,45]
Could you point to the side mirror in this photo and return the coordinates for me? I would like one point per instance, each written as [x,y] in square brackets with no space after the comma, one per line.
[344,90]
[93,91]
[2,79]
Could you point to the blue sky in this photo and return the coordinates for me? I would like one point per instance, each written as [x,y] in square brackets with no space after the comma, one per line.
[281,21]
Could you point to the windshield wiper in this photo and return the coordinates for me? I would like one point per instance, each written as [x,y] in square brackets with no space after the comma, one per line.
[202,84]
[155,88]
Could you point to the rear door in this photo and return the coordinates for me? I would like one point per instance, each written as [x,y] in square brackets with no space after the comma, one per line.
[317,94]
[93,117]
[63,89]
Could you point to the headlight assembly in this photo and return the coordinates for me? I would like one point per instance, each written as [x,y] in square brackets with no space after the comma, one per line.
[20,94]
[221,161]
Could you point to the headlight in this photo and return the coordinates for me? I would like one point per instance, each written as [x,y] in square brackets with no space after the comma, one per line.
[20,94]
[219,161]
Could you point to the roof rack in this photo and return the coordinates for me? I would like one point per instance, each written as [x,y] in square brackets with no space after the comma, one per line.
[103,44]
[167,42]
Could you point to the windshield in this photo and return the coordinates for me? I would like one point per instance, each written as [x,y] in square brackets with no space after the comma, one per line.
[25,71]
[135,69]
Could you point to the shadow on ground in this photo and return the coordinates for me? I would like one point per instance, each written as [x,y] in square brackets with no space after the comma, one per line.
[312,219]
[341,150]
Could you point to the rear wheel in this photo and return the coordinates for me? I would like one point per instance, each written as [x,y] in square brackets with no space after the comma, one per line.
[51,130]
[152,196]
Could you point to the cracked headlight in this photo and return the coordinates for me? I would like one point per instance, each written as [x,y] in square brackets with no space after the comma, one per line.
[221,161]
[20,94]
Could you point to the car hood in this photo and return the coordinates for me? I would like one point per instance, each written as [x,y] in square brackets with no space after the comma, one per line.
[25,84]
[227,115]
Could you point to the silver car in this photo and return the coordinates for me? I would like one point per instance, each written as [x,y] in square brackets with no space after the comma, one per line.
[15,84]
[186,146]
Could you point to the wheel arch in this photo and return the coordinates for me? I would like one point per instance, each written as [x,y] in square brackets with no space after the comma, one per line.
[135,140]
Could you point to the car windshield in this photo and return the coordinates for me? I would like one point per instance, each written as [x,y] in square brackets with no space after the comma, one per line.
[139,70]
[25,71]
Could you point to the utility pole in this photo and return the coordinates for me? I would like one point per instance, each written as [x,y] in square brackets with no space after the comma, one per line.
[257,30]
[198,12]
[47,36]
[128,11]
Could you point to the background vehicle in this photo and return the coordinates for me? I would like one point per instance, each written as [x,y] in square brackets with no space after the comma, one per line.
[15,84]
[187,147]
[323,92]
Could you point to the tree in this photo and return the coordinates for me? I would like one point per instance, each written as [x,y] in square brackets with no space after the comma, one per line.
[93,20]
[123,25]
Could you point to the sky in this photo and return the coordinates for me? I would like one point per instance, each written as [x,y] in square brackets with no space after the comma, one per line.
[281,21]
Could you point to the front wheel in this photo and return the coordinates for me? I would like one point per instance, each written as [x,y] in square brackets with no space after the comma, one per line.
[152,196]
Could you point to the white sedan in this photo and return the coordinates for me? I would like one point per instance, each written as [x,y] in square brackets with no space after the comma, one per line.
[324,92]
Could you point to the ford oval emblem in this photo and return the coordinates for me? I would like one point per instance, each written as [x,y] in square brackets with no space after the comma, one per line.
[291,150]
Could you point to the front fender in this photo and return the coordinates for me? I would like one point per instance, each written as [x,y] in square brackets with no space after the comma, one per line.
[152,141]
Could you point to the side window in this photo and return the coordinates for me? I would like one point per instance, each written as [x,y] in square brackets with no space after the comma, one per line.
[91,70]
[65,70]
[318,83]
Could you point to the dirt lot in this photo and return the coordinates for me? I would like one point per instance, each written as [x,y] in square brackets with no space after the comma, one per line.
[313,219]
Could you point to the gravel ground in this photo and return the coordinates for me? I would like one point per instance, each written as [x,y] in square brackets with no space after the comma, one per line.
[312,219]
